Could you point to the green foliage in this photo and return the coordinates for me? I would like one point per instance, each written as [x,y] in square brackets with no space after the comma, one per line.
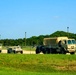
[35,40]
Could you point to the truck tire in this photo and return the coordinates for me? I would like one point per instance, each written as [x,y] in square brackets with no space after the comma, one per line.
[53,51]
[62,50]
[48,51]
[9,51]
[72,53]
[38,50]
[14,52]
[21,52]
[44,51]
[0,51]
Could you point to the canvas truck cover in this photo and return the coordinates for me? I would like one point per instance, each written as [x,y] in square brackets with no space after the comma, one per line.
[53,40]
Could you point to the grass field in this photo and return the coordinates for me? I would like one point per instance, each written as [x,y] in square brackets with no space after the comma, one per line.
[21,64]
[29,48]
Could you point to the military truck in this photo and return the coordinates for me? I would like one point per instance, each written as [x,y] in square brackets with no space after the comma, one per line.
[61,45]
[15,49]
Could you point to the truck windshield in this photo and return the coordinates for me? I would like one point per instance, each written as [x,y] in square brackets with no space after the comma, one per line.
[69,42]
[73,41]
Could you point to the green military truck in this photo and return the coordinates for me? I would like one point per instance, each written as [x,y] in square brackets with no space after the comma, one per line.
[61,45]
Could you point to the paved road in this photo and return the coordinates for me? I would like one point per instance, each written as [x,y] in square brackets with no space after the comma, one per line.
[24,52]
[27,52]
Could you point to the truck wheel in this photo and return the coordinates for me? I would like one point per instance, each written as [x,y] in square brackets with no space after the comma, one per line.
[44,50]
[38,50]
[9,51]
[0,51]
[53,51]
[72,53]
[21,52]
[48,50]
[14,52]
[63,51]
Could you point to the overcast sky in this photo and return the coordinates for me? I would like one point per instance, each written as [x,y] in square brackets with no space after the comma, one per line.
[36,17]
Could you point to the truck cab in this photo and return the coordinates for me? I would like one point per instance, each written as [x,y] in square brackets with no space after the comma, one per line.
[69,45]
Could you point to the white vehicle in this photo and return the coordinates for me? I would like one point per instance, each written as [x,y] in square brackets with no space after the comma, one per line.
[15,49]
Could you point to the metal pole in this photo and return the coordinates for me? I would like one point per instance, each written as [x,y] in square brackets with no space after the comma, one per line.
[25,39]
[0,37]
[68,31]
[68,37]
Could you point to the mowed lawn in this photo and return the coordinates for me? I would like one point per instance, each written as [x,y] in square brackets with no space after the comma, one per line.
[48,64]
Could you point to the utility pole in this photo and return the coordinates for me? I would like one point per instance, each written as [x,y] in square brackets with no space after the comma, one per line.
[25,39]
[0,37]
[68,37]
[68,31]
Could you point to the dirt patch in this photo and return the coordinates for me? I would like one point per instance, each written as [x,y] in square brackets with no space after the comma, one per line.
[66,68]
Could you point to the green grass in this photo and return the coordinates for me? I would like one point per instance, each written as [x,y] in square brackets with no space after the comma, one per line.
[29,48]
[22,64]
[33,73]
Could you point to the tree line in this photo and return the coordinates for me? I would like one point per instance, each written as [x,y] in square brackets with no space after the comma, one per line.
[35,40]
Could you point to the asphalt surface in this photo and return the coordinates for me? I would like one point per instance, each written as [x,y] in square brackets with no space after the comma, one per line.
[27,52]
[24,52]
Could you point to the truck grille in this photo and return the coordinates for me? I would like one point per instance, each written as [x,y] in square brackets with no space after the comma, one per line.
[72,47]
